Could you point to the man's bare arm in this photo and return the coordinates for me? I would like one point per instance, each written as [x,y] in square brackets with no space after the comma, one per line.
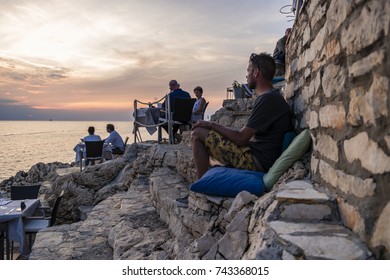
[240,138]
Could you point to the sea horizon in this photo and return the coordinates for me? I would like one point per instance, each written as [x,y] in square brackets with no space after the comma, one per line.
[29,142]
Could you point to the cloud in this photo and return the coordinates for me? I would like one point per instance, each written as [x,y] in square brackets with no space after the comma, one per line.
[7,101]
[95,53]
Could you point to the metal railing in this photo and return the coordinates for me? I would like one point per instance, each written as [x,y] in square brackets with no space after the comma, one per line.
[137,124]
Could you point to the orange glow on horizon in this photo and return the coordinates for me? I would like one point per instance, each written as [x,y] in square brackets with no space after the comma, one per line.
[85,106]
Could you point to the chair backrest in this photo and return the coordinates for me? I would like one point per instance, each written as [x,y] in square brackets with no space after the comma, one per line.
[204,109]
[94,149]
[183,109]
[124,148]
[55,209]
[25,192]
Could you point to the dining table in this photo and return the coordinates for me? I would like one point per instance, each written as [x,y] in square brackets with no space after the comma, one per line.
[12,213]
[148,117]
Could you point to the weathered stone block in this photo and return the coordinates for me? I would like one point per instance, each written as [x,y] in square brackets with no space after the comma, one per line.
[318,43]
[321,241]
[351,218]
[332,49]
[332,116]
[348,184]
[334,79]
[387,140]
[367,64]
[365,29]
[242,199]
[313,120]
[317,14]
[356,186]
[381,236]
[305,212]
[301,191]
[337,14]
[327,147]
[370,155]
[237,240]
[314,163]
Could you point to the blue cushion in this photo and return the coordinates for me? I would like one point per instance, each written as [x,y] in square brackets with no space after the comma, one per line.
[277,79]
[287,139]
[226,181]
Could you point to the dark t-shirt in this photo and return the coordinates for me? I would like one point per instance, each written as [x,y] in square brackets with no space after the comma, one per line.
[177,93]
[271,117]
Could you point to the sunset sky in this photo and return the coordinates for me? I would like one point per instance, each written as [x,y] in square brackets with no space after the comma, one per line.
[89,59]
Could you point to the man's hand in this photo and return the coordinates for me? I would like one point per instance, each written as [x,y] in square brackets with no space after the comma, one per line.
[200,123]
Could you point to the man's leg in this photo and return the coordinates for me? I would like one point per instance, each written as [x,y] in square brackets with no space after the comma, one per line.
[199,151]
[201,158]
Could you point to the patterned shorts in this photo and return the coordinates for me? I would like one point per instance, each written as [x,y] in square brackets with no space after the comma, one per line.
[226,152]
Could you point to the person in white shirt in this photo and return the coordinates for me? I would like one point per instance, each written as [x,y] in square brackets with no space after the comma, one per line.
[114,140]
[90,137]
[197,110]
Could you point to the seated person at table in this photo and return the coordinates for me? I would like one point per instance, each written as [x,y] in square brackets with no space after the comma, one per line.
[175,92]
[197,111]
[114,140]
[90,137]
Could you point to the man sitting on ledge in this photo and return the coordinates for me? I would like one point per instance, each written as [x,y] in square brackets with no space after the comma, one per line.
[259,143]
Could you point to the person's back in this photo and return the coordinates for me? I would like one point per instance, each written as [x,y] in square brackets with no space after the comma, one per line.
[92,138]
[176,92]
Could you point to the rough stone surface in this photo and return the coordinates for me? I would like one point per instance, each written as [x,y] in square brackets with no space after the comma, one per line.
[381,236]
[327,147]
[332,116]
[337,77]
[368,153]
[298,191]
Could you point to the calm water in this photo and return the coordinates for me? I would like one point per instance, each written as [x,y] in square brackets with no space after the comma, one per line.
[25,143]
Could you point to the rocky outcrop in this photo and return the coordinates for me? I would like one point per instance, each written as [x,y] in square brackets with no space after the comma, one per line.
[37,174]
[134,216]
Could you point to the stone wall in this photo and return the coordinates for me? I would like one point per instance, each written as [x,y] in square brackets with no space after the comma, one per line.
[338,81]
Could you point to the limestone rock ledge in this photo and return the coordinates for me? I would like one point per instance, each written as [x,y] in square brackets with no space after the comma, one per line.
[124,209]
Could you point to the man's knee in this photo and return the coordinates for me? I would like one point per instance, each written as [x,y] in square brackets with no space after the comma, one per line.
[199,133]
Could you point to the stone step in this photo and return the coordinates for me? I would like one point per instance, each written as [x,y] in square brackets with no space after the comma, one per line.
[319,241]
[299,201]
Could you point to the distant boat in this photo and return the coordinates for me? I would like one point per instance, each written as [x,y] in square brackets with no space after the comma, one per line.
[50,120]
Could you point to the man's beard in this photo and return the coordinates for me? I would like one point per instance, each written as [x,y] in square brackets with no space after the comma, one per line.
[252,85]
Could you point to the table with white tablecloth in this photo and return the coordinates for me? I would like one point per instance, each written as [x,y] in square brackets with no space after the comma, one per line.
[12,214]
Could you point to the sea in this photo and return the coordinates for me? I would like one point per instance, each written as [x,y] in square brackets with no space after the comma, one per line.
[25,143]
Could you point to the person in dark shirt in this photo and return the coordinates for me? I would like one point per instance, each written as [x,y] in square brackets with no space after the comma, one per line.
[257,145]
[280,53]
[175,92]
